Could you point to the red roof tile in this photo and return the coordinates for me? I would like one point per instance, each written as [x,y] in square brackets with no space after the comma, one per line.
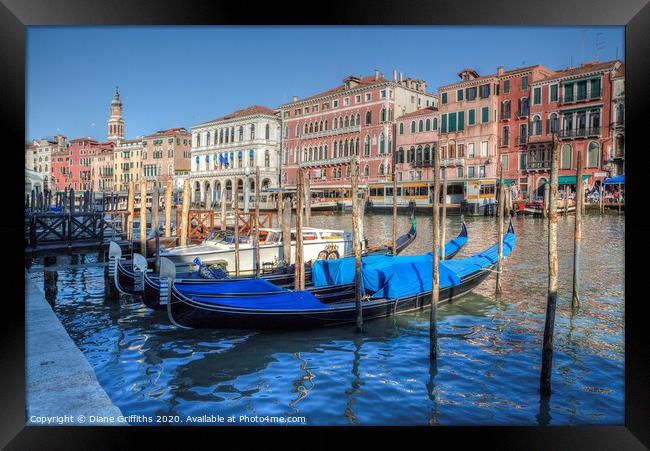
[582,69]
[361,81]
[420,112]
[250,111]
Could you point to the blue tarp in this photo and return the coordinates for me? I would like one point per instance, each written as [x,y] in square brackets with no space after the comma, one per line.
[293,300]
[614,180]
[228,287]
[341,271]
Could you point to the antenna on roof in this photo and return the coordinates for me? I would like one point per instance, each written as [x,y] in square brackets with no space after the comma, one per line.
[599,45]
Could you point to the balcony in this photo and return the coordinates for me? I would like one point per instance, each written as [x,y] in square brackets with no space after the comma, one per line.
[532,166]
[505,116]
[332,132]
[451,162]
[582,97]
[523,139]
[423,164]
[618,124]
[593,132]
[327,162]
[523,113]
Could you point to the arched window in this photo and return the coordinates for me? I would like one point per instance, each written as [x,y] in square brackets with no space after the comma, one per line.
[358,122]
[427,154]
[241,133]
[593,155]
[401,128]
[537,125]
[418,155]
[326,125]
[207,139]
[356,147]
[552,125]
[383,115]
[366,170]
[368,117]
[346,149]
[320,126]
[411,155]
[421,126]
[412,126]
[306,128]
[451,150]
[382,143]
[252,131]
[366,146]
[336,149]
[400,156]
[267,133]
[325,152]
[381,169]
[311,128]
[427,125]
[311,154]
[620,113]
[567,157]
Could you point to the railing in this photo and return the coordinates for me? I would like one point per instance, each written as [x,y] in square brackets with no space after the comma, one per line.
[523,113]
[580,132]
[538,165]
[523,139]
[332,131]
[328,162]
[580,97]
[423,164]
[505,115]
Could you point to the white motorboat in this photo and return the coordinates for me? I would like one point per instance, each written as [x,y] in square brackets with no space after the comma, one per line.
[219,248]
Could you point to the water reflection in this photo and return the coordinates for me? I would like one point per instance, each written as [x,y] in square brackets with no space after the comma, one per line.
[488,366]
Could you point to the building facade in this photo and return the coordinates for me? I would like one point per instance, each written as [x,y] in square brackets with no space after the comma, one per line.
[102,169]
[322,132]
[618,121]
[416,137]
[127,163]
[227,150]
[165,153]
[575,106]
[38,157]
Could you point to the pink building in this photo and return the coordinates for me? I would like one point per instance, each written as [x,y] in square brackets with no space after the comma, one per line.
[323,131]
[575,104]
[102,169]
[417,134]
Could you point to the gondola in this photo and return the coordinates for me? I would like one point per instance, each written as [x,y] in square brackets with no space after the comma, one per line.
[398,285]
[127,281]
[151,295]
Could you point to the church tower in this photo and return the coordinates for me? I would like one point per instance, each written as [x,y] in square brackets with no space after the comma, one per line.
[115,122]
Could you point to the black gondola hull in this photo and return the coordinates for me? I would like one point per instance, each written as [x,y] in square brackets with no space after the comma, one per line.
[194,314]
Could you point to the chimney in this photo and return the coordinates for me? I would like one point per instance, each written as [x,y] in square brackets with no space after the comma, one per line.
[394,74]
[499,71]
[376,74]
[295,99]
[401,76]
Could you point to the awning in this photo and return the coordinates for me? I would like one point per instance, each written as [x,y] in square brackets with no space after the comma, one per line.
[614,180]
[507,182]
[569,179]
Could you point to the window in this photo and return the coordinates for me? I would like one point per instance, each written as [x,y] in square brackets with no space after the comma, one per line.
[537,96]
[471,93]
[582,90]
[551,124]
[595,88]
[470,171]
[461,120]
[346,101]
[444,98]
[335,104]
[505,136]
[443,124]
[412,126]
[481,171]
[435,123]
[267,133]
[452,122]
[553,93]
[470,151]
[368,96]
[382,93]
[459,95]
[537,125]
[568,92]
[471,117]
[420,126]
[484,91]
[484,149]
[524,82]
[315,108]
[357,98]
[506,86]
[401,128]
[382,144]
[485,114]
[383,115]
[368,117]
[567,157]
[523,133]
[522,161]
[593,155]
[504,161]
[459,172]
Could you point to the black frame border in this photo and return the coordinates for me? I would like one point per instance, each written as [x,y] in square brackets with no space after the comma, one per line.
[15,15]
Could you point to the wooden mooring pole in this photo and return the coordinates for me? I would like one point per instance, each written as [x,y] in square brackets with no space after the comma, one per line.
[307,199]
[443,225]
[394,177]
[223,206]
[577,237]
[168,208]
[433,331]
[299,266]
[257,222]
[155,203]
[500,212]
[143,218]
[551,300]
[130,209]
[185,214]
[235,210]
[356,244]
[547,187]
[286,230]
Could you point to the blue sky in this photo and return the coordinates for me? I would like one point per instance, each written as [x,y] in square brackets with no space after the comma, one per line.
[181,76]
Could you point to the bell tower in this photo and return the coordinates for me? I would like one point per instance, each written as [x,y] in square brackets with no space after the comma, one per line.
[115,121]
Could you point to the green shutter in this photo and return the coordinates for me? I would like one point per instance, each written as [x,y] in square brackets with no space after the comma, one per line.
[485,114]
[537,96]
[461,120]
[444,98]
[553,93]
[471,118]
[452,122]
[435,123]
[568,92]
[595,87]
[459,95]
[443,124]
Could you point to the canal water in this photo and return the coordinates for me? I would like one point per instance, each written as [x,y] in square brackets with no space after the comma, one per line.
[489,359]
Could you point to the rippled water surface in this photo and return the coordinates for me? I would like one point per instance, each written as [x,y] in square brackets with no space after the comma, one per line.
[489,359]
